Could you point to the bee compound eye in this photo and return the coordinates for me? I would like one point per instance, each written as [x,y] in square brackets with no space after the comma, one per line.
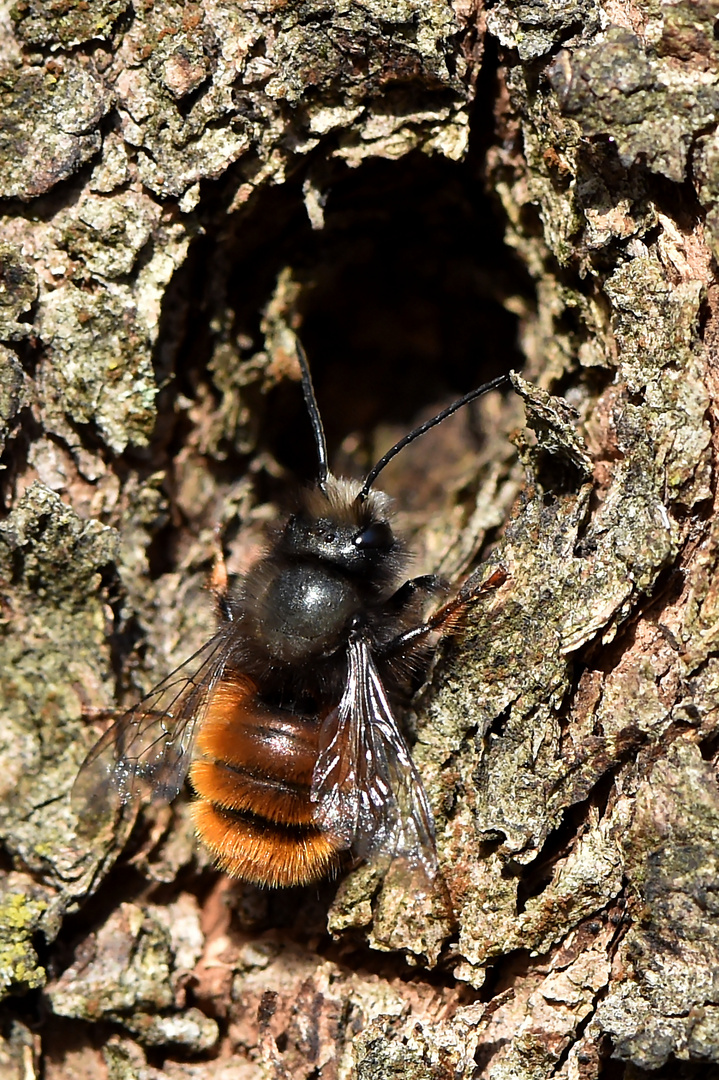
[375,537]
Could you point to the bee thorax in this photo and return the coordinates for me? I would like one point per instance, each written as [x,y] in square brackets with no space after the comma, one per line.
[304,611]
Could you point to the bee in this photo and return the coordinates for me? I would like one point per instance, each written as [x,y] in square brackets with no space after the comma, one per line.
[283,720]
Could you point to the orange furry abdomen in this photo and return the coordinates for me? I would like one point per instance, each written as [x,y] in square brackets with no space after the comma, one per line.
[253,776]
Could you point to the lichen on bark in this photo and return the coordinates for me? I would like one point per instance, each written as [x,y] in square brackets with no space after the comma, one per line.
[187,185]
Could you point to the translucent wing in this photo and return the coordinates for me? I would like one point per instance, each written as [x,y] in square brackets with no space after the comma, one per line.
[366,786]
[148,750]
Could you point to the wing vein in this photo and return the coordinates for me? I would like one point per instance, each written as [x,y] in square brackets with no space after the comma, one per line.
[366,788]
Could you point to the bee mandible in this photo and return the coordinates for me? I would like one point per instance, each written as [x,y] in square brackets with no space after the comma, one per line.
[283,720]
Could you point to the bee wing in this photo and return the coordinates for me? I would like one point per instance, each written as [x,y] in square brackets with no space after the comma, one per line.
[148,750]
[366,786]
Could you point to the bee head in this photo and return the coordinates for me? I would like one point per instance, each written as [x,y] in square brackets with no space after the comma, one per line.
[334,527]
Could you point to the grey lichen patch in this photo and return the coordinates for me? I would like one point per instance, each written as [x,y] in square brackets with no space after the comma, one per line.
[402,41]
[641,293]
[54,657]
[352,905]
[50,556]
[113,169]
[401,1046]
[534,28]
[659,363]
[337,57]
[176,148]
[123,972]
[18,292]
[669,845]
[48,125]
[15,392]
[412,914]
[98,368]
[649,109]
[706,177]
[700,633]
[583,883]
[379,1057]
[611,206]
[541,1024]
[190,1030]
[619,111]
[108,234]
[102,269]
[132,971]
[554,423]
[124,1059]
[44,22]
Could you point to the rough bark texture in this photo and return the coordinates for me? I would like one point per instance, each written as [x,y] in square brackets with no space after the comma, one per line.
[183,185]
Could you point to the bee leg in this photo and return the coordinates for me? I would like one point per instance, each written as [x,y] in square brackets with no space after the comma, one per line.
[219,582]
[444,621]
[408,593]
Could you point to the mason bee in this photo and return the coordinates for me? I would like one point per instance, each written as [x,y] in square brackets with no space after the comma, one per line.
[283,720]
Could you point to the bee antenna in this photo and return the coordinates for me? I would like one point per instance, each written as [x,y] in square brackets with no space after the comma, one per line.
[374,472]
[315,419]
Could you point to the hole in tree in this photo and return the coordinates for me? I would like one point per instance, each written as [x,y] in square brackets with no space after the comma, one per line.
[403,300]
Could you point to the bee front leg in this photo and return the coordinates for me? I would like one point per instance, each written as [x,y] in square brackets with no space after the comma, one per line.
[444,621]
[409,593]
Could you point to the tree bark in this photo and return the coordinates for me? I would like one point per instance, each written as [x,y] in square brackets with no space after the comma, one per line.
[429,194]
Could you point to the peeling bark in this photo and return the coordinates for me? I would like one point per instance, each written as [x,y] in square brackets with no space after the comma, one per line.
[414,184]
